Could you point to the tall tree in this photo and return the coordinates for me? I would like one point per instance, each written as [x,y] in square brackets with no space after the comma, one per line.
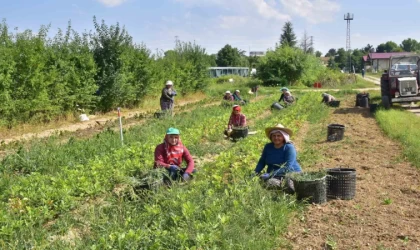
[389,46]
[332,52]
[409,45]
[318,53]
[306,43]
[288,37]
[368,48]
[228,56]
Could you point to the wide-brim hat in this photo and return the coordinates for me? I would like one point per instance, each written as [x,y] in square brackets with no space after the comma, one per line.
[284,88]
[278,127]
[227,92]
[169,83]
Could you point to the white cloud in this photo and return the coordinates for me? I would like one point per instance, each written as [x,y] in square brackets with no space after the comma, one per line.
[111,3]
[315,11]
[230,22]
[265,9]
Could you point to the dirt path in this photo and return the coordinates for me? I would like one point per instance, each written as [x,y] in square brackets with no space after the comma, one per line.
[375,80]
[94,125]
[385,213]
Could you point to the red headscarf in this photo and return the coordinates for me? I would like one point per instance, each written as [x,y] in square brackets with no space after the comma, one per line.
[174,152]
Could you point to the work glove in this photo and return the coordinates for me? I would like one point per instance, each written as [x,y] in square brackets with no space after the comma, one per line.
[174,168]
[265,176]
[186,177]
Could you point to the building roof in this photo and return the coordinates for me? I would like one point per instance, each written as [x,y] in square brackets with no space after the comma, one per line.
[324,59]
[379,55]
[365,58]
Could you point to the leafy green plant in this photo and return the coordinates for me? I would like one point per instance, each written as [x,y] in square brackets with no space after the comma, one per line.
[307,176]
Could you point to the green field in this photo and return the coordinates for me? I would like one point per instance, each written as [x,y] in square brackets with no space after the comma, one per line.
[65,193]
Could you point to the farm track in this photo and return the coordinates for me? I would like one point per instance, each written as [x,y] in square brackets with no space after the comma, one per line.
[384,213]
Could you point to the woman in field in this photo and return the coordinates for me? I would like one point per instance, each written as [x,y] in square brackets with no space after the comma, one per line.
[327,98]
[167,97]
[171,153]
[286,96]
[236,119]
[279,155]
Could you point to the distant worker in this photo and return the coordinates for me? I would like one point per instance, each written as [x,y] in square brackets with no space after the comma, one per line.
[236,119]
[169,155]
[286,96]
[237,97]
[327,98]
[167,97]
[363,73]
[228,96]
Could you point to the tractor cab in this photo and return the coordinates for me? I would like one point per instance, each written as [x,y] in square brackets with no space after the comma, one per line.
[400,82]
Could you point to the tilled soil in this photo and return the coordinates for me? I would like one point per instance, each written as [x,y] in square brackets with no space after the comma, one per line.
[385,213]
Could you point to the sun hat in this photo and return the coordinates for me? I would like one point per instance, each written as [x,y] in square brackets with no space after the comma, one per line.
[227,92]
[236,107]
[172,131]
[278,127]
[284,88]
[324,94]
[238,91]
[169,83]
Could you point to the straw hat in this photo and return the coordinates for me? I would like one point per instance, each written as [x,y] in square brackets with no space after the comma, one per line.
[284,88]
[169,83]
[227,92]
[278,127]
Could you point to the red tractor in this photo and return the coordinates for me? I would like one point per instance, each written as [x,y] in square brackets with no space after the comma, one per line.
[400,83]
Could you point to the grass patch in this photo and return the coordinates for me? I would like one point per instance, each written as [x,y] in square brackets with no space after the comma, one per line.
[404,127]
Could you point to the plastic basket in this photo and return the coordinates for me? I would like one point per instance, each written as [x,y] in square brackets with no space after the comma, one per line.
[314,191]
[335,132]
[239,132]
[341,183]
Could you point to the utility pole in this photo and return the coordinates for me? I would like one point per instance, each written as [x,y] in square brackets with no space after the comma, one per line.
[348,17]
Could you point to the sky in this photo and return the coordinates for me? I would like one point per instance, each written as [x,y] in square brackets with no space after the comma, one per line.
[253,25]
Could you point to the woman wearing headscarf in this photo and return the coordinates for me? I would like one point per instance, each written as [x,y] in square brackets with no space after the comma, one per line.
[327,98]
[286,96]
[228,96]
[236,119]
[279,155]
[167,97]
[171,153]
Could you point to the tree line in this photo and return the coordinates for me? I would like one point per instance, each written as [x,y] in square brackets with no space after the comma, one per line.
[43,78]
[339,57]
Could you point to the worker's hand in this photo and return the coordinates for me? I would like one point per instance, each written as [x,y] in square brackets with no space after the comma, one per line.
[186,177]
[174,168]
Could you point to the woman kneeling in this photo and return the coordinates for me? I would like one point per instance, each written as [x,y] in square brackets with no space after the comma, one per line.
[170,154]
[279,155]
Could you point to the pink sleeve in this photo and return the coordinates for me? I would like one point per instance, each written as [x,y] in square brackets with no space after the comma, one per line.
[159,157]
[243,120]
[190,162]
[230,121]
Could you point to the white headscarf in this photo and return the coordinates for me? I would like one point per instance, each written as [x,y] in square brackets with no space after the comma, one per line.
[285,135]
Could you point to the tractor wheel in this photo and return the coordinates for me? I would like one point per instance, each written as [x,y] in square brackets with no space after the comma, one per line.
[386,102]
[384,87]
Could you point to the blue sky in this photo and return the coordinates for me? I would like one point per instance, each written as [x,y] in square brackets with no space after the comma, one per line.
[246,24]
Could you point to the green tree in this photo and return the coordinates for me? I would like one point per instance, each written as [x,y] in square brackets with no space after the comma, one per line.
[288,37]
[318,53]
[410,45]
[283,66]
[389,46]
[228,57]
[331,52]
[368,48]
[341,59]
